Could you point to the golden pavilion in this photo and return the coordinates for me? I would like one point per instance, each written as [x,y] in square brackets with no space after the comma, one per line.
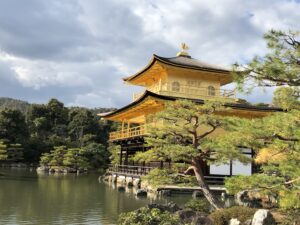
[169,79]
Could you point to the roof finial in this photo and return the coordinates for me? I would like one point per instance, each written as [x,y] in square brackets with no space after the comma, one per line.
[183,52]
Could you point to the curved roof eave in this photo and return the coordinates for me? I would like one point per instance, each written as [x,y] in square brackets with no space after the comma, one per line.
[166,61]
[200,101]
[152,61]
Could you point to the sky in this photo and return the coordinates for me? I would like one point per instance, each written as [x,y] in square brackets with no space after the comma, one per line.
[78,50]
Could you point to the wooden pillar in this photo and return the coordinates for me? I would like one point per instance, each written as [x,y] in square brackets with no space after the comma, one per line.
[126,157]
[121,156]
[161,164]
[128,129]
[123,124]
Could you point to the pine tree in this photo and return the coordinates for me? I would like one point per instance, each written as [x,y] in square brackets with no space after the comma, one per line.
[10,152]
[183,132]
[280,67]
[275,138]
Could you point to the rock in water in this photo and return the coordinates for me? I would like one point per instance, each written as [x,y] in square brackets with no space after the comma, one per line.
[243,198]
[234,222]
[42,169]
[121,188]
[263,217]
[141,193]
[129,184]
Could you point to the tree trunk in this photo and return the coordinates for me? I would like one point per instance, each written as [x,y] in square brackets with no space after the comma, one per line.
[200,178]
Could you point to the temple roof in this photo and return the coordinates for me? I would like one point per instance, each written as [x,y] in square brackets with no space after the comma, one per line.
[182,62]
[190,62]
[147,94]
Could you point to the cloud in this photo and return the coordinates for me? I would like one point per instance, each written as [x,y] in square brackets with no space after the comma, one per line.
[78,50]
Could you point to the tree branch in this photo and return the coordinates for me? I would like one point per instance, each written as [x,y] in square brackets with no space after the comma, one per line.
[277,185]
[284,138]
[188,170]
[214,127]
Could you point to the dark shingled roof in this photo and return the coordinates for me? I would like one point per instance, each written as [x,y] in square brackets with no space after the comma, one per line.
[183,62]
[191,62]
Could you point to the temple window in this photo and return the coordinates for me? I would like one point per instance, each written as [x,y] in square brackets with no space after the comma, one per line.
[211,91]
[176,86]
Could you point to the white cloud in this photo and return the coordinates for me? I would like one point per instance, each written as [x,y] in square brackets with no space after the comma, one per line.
[78,51]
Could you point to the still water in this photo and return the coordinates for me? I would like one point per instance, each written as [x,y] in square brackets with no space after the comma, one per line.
[28,198]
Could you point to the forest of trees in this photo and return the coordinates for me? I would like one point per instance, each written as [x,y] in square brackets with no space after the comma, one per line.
[39,131]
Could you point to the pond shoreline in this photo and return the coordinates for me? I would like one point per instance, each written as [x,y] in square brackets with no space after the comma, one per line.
[31,198]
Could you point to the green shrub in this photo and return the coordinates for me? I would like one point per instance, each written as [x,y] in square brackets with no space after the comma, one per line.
[157,177]
[185,180]
[292,217]
[146,216]
[200,205]
[223,216]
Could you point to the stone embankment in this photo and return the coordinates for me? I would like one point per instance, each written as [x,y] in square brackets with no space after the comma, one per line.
[144,188]
[123,182]
[64,170]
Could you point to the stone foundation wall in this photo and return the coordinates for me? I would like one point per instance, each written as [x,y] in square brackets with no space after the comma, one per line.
[127,181]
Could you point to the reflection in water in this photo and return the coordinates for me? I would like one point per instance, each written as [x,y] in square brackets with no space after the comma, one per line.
[26,198]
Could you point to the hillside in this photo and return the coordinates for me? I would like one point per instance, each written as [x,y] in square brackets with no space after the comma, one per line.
[23,106]
[14,104]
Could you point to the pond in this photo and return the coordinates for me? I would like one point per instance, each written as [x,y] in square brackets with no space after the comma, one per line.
[28,198]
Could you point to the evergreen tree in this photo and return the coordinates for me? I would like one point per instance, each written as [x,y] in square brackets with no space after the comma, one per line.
[286,98]
[275,138]
[280,67]
[97,155]
[10,152]
[82,122]
[92,156]
[276,142]
[58,113]
[75,159]
[38,120]
[57,156]
[3,151]
[185,135]
[41,127]
[13,126]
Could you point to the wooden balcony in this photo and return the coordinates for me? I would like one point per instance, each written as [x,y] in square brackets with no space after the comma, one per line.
[128,133]
[187,91]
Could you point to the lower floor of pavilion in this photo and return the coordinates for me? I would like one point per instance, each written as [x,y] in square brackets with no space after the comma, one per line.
[213,173]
